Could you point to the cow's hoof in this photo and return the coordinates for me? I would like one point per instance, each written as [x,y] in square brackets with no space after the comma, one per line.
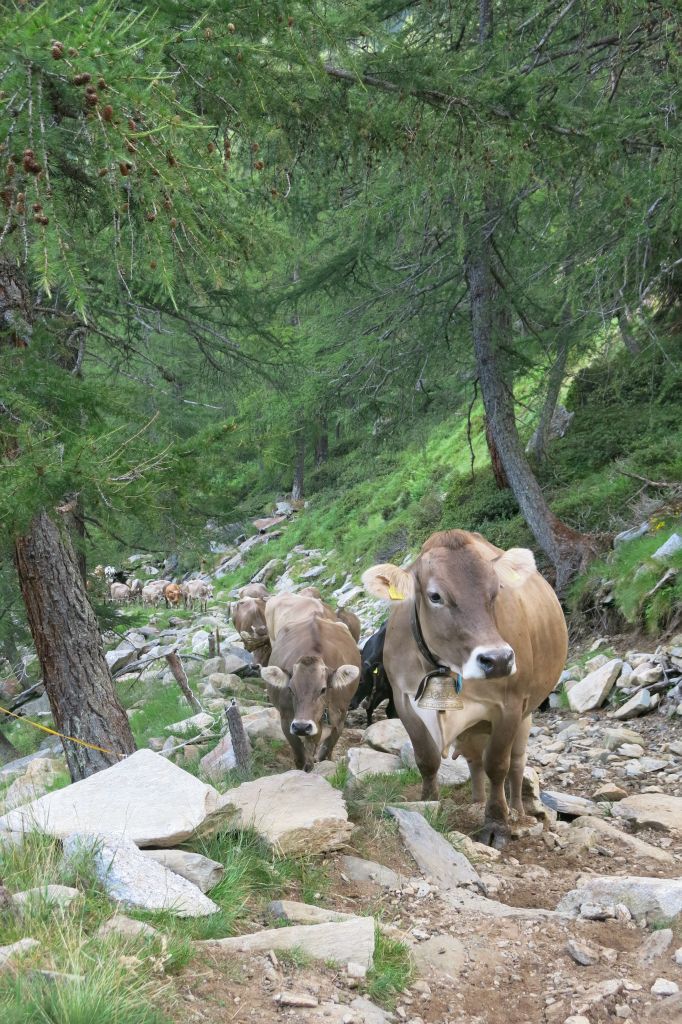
[493,833]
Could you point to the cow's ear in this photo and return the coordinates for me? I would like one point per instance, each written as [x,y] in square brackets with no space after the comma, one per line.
[274,677]
[389,581]
[514,566]
[345,677]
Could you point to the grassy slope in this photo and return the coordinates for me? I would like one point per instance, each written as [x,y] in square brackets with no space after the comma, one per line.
[377,500]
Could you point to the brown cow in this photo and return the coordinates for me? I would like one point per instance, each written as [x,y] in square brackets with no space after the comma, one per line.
[313,673]
[248,615]
[489,617]
[348,618]
[254,590]
[172,594]
[351,620]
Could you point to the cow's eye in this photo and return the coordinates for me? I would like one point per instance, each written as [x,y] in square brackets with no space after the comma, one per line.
[435,597]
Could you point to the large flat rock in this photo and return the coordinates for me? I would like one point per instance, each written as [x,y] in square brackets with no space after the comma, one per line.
[340,941]
[364,762]
[624,839]
[201,871]
[305,913]
[566,803]
[297,812]
[592,691]
[651,810]
[145,797]
[135,880]
[451,772]
[388,735]
[357,869]
[648,899]
[435,856]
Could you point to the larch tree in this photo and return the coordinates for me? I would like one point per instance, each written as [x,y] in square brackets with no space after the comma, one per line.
[127,201]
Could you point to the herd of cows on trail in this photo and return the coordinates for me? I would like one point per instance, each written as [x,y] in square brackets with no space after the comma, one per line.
[474,642]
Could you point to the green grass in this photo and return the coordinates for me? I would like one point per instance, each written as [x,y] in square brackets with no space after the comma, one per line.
[107,994]
[252,875]
[635,574]
[392,971]
[112,980]
[295,957]
[421,480]
[163,706]
[375,792]
[339,780]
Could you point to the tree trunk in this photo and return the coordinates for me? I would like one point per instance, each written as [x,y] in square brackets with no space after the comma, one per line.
[629,340]
[567,549]
[299,469]
[485,20]
[68,643]
[322,443]
[8,752]
[495,460]
[75,523]
[538,442]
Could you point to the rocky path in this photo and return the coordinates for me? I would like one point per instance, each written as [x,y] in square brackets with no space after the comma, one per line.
[577,921]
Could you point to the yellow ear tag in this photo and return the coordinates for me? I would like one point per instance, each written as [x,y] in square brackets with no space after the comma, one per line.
[394,594]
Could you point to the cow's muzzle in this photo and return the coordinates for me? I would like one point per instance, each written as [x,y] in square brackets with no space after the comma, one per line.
[303,727]
[490,663]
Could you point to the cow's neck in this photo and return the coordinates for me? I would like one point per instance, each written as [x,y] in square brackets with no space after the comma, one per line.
[438,669]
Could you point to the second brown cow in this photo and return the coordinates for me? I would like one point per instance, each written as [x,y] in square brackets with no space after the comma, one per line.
[313,673]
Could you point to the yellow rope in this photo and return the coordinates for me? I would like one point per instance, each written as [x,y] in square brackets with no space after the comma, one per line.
[53,732]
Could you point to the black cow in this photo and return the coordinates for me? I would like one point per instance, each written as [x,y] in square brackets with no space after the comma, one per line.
[374,685]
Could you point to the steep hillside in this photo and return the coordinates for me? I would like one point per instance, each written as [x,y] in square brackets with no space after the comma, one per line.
[617,466]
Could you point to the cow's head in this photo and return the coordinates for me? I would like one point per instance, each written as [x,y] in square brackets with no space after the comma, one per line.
[455,588]
[311,687]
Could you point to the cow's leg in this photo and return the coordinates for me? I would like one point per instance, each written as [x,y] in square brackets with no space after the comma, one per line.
[426,751]
[298,750]
[517,766]
[496,761]
[326,748]
[471,745]
[373,702]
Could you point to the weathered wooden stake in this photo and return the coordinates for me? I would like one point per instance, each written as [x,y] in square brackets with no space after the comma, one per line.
[211,646]
[178,671]
[240,741]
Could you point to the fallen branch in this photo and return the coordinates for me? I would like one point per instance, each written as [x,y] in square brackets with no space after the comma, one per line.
[203,737]
[647,481]
[25,696]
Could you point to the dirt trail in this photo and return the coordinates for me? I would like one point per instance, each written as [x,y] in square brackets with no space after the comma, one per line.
[474,969]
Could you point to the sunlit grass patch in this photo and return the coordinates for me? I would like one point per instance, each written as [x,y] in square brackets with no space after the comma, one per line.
[391,972]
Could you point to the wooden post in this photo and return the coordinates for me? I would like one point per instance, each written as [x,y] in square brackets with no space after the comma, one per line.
[178,671]
[240,741]
[211,646]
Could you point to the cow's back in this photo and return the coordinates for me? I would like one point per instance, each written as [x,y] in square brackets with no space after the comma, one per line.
[286,610]
[314,637]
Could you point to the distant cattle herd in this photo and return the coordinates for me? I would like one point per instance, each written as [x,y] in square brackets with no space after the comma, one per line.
[122,589]
[474,641]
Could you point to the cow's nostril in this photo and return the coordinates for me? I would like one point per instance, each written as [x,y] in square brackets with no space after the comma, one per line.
[496,662]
